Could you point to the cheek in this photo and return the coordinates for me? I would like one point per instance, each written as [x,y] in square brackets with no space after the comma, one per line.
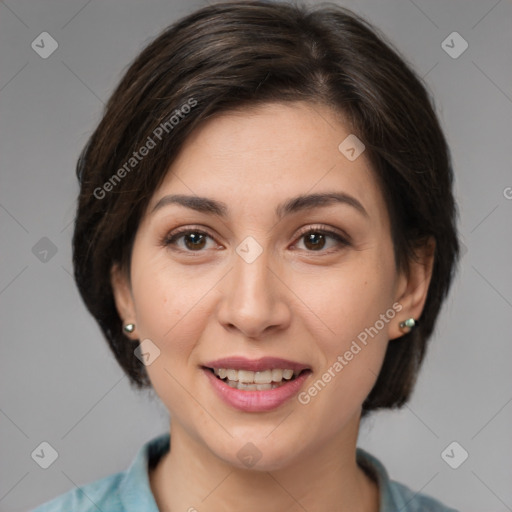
[355,307]
[348,299]
[171,305]
[168,310]
[162,299]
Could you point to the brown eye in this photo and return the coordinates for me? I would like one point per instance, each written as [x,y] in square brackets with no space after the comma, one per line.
[194,240]
[316,239]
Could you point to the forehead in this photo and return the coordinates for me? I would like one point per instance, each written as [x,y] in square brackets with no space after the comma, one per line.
[254,158]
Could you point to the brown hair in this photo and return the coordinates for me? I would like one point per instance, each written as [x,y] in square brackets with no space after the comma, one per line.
[235,55]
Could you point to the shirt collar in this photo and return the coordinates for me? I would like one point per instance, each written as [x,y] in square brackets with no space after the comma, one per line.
[374,468]
[135,490]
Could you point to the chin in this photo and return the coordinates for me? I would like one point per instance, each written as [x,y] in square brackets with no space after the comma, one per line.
[257,452]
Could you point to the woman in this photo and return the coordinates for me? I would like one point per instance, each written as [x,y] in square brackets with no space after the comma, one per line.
[265,234]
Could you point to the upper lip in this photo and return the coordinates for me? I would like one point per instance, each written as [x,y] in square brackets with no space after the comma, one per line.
[256,365]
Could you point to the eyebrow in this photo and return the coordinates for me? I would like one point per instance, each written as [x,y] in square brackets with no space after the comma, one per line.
[292,205]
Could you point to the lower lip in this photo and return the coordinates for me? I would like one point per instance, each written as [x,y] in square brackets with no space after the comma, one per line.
[256,401]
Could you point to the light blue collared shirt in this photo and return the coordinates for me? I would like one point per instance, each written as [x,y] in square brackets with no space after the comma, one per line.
[130,491]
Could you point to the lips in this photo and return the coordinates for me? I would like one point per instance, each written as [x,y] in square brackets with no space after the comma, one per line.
[255,397]
[256,365]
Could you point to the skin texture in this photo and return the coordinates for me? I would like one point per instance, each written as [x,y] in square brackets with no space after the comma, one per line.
[297,301]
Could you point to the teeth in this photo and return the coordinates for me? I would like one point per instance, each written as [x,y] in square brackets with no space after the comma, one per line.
[246,379]
[263,377]
[287,374]
[277,375]
[252,387]
[245,376]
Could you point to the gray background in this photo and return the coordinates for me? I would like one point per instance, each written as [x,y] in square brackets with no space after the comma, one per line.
[59,382]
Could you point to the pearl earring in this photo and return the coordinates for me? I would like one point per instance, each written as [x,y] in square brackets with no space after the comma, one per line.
[410,322]
[129,328]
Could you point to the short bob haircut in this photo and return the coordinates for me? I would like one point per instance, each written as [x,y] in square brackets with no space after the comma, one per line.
[232,56]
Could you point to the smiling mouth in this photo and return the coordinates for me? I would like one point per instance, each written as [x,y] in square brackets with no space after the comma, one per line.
[256,381]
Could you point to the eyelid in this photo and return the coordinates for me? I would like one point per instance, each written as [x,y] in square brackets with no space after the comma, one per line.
[323,228]
[340,236]
[179,232]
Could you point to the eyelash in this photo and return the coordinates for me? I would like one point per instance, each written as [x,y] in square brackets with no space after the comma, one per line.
[172,237]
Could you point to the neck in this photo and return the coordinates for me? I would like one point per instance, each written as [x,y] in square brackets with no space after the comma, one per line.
[191,477]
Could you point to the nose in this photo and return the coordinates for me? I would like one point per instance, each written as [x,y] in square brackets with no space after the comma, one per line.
[254,298]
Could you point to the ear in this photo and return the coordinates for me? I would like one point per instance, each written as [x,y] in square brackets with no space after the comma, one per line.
[123,297]
[412,288]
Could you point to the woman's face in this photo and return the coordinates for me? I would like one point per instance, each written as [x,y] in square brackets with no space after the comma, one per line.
[261,274]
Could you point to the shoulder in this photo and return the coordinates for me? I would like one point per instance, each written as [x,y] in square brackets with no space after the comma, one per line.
[396,496]
[415,502]
[102,494]
[126,491]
